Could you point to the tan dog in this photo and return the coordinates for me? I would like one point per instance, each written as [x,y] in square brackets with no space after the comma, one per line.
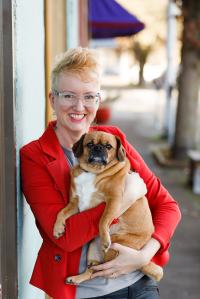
[100,177]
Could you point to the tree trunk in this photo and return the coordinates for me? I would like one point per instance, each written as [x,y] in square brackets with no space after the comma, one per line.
[141,73]
[141,53]
[186,121]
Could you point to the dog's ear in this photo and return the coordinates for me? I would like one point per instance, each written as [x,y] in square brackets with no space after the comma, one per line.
[78,147]
[121,154]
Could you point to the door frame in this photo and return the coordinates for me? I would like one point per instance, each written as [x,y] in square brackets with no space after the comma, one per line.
[8,205]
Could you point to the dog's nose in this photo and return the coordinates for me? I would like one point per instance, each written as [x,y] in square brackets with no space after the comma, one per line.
[98,147]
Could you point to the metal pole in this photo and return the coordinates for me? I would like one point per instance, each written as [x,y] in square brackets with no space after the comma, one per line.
[170,78]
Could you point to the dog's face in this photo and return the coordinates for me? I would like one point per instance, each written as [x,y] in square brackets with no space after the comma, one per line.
[97,151]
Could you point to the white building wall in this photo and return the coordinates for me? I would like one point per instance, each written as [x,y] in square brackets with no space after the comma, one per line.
[29,80]
[72,23]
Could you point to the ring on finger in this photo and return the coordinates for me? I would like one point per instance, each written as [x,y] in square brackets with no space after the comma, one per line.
[113,275]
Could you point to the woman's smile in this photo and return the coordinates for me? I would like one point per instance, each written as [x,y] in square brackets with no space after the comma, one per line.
[77,117]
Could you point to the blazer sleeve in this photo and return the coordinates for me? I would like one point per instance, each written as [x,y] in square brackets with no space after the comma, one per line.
[46,201]
[165,210]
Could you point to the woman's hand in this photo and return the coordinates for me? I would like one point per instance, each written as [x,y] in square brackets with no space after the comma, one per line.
[128,260]
[135,188]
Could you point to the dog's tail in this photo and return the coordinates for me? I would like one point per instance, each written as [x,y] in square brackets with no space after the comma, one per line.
[153,270]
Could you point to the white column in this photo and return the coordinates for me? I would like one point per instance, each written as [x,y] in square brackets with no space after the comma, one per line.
[29,82]
[171,71]
[72,23]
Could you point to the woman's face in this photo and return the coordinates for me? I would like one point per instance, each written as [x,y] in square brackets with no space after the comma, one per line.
[73,110]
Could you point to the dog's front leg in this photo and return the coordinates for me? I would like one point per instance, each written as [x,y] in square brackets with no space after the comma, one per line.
[71,208]
[93,258]
[63,215]
[113,205]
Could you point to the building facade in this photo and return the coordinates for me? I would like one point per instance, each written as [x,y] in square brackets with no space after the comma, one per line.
[29,42]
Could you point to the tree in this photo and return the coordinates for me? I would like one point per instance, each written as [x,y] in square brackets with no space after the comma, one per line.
[141,53]
[189,79]
[147,43]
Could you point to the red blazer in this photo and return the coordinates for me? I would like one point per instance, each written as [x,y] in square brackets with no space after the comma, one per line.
[45,184]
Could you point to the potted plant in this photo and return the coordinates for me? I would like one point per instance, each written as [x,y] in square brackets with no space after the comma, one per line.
[104,112]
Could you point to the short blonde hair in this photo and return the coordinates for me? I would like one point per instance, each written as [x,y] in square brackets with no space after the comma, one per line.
[80,61]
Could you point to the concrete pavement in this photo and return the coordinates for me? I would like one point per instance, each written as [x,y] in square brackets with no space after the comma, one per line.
[139,113]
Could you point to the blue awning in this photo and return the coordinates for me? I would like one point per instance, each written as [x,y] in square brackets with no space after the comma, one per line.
[108,19]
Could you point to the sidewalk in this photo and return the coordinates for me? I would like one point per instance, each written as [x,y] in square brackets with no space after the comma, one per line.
[138,114]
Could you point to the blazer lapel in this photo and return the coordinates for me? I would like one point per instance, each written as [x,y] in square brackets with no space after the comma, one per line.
[57,165]
[61,176]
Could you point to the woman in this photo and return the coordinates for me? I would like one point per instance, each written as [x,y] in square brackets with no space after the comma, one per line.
[45,167]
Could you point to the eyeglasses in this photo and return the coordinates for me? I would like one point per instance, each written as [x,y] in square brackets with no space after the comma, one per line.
[68,98]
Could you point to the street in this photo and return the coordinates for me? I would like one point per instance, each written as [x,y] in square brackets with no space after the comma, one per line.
[139,113]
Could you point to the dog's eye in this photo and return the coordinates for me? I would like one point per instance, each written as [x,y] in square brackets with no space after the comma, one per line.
[108,146]
[90,144]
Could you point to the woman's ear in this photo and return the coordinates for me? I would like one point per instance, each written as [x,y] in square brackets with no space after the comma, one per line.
[121,154]
[51,100]
[78,147]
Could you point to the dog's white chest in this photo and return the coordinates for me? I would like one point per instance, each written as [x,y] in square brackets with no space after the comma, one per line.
[84,189]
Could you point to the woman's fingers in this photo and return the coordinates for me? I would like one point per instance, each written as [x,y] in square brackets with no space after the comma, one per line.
[114,275]
[105,273]
[104,266]
[111,263]
[127,260]
[109,268]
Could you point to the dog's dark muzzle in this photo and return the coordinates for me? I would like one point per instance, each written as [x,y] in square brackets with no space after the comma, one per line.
[98,155]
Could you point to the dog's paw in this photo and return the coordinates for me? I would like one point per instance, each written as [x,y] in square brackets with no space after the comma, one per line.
[59,229]
[69,280]
[105,240]
[105,245]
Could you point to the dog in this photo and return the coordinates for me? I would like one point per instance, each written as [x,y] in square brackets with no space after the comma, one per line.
[100,177]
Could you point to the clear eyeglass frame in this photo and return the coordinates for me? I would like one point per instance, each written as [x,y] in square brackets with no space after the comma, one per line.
[68,98]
